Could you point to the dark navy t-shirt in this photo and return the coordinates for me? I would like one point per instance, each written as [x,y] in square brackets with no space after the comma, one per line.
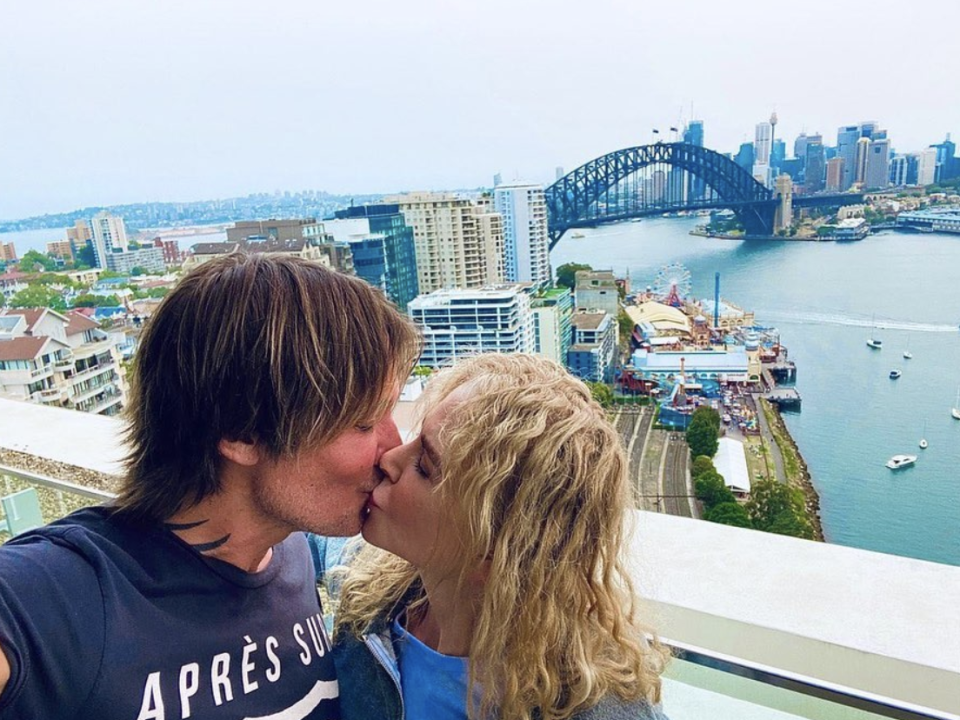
[106,621]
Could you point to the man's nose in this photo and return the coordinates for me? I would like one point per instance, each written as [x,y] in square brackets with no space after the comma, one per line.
[389,435]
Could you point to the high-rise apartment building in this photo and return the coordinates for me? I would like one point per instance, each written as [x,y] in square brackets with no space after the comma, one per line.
[459,242]
[526,245]
[927,166]
[596,290]
[464,322]
[109,235]
[8,253]
[836,168]
[61,248]
[592,355]
[815,166]
[79,234]
[398,247]
[847,137]
[878,164]
[552,330]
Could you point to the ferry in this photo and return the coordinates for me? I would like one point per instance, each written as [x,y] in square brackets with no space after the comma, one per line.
[901,461]
[875,343]
[895,374]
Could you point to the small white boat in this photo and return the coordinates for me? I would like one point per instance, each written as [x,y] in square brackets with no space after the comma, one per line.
[895,374]
[577,235]
[923,443]
[955,410]
[875,343]
[901,461]
[907,355]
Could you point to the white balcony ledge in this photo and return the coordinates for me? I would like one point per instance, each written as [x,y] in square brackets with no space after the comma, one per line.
[879,624]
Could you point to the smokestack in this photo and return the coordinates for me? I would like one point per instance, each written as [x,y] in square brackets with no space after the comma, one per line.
[716,301]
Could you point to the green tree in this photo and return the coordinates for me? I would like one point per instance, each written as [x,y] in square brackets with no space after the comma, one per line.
[422,371]
[712,490]
[729,513]
[626,327]
[38,296]
[85,257]
[31,260]
[567,274]
[703,431]
[601,393]
[778,508]
[87,300]
[701,464]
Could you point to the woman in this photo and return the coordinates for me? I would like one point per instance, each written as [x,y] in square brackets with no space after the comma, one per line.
[493,561]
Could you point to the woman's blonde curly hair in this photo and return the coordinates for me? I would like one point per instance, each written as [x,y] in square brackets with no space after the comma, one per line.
[535,477]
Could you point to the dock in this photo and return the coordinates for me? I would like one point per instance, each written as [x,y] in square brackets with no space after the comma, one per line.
[785,398]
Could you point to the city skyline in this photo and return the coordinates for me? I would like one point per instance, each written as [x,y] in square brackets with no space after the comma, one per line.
[227,100]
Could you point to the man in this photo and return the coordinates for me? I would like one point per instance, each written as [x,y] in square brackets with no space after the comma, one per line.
[260,407]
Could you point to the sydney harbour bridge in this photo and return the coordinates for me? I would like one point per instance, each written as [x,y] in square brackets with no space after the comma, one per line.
[668,177]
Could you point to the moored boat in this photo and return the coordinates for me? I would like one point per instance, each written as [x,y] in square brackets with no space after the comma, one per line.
[901,461]
[875,343]
[895,374]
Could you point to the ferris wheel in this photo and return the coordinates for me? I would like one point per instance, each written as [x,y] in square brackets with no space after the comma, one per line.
[672,284]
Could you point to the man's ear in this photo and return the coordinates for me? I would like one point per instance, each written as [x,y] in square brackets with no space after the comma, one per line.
[241,452]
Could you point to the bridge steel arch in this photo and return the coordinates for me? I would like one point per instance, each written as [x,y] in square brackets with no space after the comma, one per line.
[575,200]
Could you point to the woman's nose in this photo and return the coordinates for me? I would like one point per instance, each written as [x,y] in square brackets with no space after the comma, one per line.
[391,463]
[388,434]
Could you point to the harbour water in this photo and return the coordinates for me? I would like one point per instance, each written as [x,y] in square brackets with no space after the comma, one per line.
[826,299]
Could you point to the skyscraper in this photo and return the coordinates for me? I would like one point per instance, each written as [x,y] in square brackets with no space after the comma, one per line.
[878,164]
[847,137]
[525,241]
[898,170]
[745,157]
[693,134]
[927,166]
[835,172]
[948,164]
[815,166]
[763,143]
[398,248]
[863,152]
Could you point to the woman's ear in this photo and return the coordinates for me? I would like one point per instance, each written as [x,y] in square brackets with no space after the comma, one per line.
[241,452]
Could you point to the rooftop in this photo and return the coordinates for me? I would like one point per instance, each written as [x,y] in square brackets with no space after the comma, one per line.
[588,321]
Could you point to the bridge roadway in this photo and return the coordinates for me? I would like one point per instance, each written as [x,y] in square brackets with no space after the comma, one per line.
[657,463]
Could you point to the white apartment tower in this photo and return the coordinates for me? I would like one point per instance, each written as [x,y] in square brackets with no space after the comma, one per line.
[109,234]
[460,323]
[459,242]
[526,245]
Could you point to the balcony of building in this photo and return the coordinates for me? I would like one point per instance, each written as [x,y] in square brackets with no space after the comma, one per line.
[764,626]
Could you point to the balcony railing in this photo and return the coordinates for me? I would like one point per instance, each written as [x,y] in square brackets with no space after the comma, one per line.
[41,371]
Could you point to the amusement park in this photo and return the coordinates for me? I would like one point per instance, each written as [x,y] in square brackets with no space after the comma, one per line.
[685,352]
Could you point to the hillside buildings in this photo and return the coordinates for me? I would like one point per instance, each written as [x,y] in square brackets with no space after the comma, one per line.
[64,360]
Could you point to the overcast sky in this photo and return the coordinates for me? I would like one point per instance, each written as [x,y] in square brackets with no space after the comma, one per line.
[111,101]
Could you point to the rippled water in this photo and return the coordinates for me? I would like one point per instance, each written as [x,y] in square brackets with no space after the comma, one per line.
[827,299]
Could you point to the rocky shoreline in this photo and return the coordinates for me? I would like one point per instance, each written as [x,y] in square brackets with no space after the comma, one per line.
[811,497]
